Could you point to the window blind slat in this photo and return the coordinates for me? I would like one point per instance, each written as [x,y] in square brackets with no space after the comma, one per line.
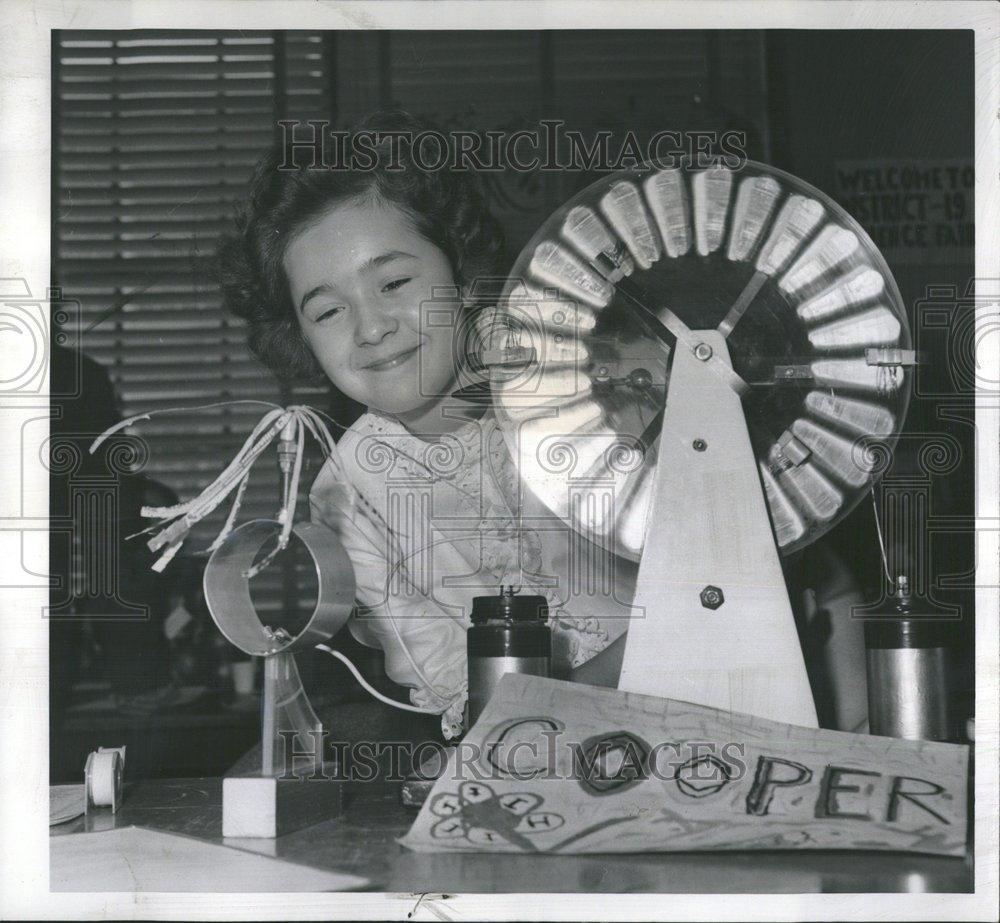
[197,51]
[75,228]
[187,142]
[105,124]
[143,108]
[132,163]
[125,76]
[152,195]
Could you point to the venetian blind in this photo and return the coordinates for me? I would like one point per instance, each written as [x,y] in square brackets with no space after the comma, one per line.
[155,135]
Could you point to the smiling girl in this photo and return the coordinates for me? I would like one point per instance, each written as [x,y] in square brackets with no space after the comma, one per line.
[367,278]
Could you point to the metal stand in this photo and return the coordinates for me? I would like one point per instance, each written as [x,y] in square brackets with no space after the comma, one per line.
[295,787]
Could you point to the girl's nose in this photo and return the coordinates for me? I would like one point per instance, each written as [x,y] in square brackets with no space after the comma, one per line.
[374,324]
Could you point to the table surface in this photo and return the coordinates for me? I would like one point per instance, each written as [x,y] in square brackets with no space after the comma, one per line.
[362,841]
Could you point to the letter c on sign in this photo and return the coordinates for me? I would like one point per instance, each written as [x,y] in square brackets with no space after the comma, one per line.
[510,739]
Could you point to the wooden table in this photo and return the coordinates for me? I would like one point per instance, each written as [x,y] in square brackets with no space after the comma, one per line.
[362,842]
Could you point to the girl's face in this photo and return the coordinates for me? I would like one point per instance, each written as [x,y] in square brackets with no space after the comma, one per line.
[359,278]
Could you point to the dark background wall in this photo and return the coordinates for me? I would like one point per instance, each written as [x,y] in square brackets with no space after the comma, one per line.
[842,102]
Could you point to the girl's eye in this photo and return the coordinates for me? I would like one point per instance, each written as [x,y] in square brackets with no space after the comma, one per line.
[327,314]
[396,284]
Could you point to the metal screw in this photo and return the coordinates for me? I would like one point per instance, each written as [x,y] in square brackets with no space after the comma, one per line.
[711,597]
[703,351]
[699,445]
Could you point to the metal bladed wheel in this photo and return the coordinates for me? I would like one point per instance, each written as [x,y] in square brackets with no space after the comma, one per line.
[631,270]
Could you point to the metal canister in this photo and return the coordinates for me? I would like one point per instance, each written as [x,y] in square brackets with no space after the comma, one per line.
[907,676]
[509,634]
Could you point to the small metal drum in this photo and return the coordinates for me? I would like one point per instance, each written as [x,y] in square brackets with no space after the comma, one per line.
[907,678]
[509,634]
[227,589]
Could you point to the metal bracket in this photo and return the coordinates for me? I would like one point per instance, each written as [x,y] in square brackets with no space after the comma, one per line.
[792,374]
[789,453]
[891,356]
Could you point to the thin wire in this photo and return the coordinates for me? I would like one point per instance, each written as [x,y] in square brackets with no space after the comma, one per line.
[498,484]
[167,410]
[403,559]
[441,694]
[881,542]
[323,413]
[371,690]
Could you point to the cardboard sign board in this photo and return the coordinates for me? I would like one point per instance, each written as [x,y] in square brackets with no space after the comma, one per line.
[918,211]
[559,767]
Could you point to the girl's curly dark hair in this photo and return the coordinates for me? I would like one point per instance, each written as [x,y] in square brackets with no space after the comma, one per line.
[446,206]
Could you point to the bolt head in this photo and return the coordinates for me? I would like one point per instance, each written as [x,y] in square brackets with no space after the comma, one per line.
[703,351]
[640,378]
[711,597]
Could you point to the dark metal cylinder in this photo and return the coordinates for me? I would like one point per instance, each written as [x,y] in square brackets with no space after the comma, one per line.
[509,634]
[907,679]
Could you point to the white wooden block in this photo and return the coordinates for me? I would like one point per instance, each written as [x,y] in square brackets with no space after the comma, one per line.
[249,807]
[265,806]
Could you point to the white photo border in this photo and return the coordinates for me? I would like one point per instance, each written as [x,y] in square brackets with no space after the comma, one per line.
[25,67]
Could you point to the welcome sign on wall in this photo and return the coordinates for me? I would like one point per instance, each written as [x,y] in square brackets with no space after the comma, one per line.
[559,767]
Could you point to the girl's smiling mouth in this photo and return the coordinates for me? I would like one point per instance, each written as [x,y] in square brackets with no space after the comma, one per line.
[393,361]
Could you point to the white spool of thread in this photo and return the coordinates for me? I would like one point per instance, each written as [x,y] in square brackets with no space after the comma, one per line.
[103,775]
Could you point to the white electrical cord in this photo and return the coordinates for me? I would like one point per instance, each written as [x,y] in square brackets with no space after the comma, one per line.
[369,688]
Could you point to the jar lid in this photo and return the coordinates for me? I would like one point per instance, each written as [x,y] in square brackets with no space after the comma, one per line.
[509,606]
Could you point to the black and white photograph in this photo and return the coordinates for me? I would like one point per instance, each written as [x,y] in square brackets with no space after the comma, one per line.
[505,460]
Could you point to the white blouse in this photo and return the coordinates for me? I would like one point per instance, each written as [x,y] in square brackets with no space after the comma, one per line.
[430,525]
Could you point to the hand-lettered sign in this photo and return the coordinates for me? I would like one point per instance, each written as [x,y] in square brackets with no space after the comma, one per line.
[559,767]
[916,211]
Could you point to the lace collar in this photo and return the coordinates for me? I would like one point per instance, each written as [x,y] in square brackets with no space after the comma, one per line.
[437,458]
